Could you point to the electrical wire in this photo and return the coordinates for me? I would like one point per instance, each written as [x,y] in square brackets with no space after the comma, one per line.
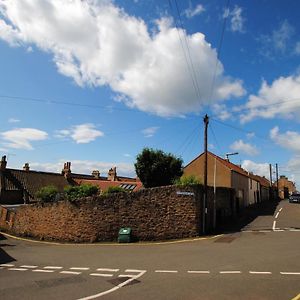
[189,68]
[219,52]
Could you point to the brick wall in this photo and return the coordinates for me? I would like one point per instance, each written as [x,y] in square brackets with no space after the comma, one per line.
[153,214]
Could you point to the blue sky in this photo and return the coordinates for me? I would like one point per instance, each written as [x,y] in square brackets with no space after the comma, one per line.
[93,82]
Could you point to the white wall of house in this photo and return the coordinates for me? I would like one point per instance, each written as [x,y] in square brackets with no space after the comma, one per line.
[254,191]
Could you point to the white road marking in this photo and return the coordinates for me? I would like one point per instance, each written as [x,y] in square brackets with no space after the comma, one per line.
[280,209]
[101,275]
[126,276]
[278,230]
[17,269]
[53,268]
[277,215]
[107,270]
[166,271]
[198,272]
[265,231]
[274,225]
[294,229]
[230,272]
[79,269]
[70,272]
[256,272]
[43,271]
[28,267]
[138,271]
[114,288]
[290,273]
[6,265]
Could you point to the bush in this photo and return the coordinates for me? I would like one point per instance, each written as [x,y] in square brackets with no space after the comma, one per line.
[113,190]
[47,193]
[186,180]
[85,190]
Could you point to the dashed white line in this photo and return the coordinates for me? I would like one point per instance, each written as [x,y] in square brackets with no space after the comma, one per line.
[290,273]
[53,268]
[28,267]
[274,225]
[43,271]
[79,269]
[294,229]
[230,272]
[6,265]
[277,215]
[280,209]
[166,271]
[70,272]
[101,275]
[17,269]
[199,272]
[107,270]
[257,272]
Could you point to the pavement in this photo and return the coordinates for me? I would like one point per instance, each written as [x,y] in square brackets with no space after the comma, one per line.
[259,261]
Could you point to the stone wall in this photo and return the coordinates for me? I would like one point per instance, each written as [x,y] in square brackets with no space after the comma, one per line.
[153,214]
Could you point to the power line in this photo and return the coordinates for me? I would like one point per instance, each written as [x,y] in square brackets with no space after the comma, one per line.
[239,129]
[215,138]
[219,52]
[50,101]
[190,69]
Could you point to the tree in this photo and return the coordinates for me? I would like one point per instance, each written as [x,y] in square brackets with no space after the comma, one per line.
[157,168]
[187,180]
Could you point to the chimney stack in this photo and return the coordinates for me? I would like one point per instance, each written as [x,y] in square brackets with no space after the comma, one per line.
[96,174]
[26,167]
[112,174]
[3,163]
[66,171]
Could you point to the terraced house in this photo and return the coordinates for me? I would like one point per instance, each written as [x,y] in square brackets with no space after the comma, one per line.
[21,186]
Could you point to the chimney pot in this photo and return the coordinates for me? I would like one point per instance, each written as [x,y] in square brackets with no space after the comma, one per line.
[26,167]
[3,163]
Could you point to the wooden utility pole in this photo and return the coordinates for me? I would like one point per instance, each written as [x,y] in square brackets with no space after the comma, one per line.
[204,207]
[271,187]
[277,181]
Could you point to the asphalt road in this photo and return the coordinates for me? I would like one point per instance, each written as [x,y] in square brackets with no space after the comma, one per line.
[260,262]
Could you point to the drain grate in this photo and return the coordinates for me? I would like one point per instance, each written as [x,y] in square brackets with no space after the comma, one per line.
[117,281]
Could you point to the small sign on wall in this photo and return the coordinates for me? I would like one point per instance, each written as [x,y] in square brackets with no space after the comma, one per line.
[185,193]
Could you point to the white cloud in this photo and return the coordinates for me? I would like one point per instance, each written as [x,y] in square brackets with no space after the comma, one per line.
[297,48]
[221,111]
[150,131]
[250,135]
[261,169]
[278,42]
[293,168]
[279,99]
[81,134]
[21,138]
[194,11]
[13,120]
[97,44]
[85,167]
[237,21]
[247,148]
[288,140]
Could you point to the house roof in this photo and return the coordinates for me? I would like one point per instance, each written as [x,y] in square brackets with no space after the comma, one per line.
[32,181]
[105,184]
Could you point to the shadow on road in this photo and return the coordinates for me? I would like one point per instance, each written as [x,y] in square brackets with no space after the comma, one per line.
[247,216]
[4,257]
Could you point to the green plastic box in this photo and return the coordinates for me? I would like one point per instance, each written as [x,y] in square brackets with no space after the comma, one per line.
[124,235]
